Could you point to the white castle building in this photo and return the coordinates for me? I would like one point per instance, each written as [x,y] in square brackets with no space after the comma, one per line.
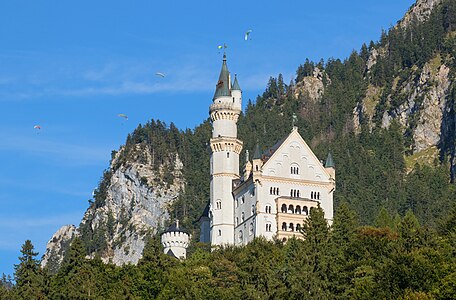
[274,194]
[175,241]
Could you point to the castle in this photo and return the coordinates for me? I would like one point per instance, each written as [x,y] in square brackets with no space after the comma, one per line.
[273,195]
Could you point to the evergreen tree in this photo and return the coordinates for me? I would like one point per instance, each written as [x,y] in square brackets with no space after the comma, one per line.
[28,274]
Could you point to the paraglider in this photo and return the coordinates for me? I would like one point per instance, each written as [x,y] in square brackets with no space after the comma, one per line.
[37,127]
[219,46]
[247,34]
[123,116]
[160,74]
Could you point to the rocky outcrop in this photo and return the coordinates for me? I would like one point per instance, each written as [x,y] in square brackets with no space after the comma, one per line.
[422,111]
[136,202]
[312,87]
[420,12]
[57,246]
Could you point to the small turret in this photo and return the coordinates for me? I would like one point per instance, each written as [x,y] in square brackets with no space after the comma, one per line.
[330,166]
[257,162]
[236,93]
[247,166]
[175,241]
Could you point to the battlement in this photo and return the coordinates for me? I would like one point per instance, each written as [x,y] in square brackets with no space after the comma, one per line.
[224,106]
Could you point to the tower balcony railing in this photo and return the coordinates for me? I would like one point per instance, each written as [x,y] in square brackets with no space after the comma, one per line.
[224,105]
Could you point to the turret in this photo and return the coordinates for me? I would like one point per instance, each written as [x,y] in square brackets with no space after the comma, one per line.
[330,166]
[257,161]
[247,166]
[175,241]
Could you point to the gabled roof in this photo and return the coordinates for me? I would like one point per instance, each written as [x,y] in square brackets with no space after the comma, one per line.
[277,147]
[222,88]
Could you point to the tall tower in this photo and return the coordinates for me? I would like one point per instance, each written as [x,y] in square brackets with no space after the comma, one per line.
[225,150]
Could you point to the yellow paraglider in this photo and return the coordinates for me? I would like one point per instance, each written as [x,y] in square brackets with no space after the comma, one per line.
[123,116]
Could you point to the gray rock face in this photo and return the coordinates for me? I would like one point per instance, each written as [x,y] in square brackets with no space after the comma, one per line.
[136,203]
[423,109]
[420,12]
[312,86]
[57,245]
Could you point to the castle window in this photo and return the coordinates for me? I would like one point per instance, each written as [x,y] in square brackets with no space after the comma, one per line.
[252,193]
[291,209]
[284,208]
[242,217]
[242,200]
[291,227]
[237,221]
[298,227]
[270,191]
[251,229]
[305,211]
[298,193]
[318,195]
[237,202]
[268,209]
[256,167]
[253,209]
[277,191]
[227,155]
[218,204]
[268,227]
[311,195]
[219,233]
[284,226]
[298,209]
[241,236]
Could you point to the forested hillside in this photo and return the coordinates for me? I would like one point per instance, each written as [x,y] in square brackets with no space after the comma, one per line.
[387,115]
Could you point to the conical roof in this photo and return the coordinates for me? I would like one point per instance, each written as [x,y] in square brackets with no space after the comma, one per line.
[223,87]
[235,86]
[175,228]
[329,161]
[257,153]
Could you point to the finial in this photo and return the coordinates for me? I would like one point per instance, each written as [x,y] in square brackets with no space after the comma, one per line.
[224,56]
[177,223]
[294,120]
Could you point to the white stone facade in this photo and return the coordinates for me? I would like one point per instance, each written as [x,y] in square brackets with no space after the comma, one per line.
[277,189]
[175,241]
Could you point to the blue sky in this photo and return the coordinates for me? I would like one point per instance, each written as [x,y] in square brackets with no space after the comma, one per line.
[73,66]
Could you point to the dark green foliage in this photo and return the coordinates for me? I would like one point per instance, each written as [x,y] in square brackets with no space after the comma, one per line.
[29,277]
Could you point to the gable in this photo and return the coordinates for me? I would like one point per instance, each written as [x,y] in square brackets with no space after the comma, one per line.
[294,159]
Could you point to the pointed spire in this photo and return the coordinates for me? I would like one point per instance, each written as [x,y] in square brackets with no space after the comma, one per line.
[257,154]
[222,87]
[329,161]
[235,84]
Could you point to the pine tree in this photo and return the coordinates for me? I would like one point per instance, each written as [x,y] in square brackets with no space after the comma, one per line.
[28,274]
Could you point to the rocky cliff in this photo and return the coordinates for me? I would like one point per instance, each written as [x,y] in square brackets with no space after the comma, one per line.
[135,202]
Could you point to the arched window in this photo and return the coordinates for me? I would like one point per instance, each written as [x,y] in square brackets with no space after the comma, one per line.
[290,209]
[305,211]
[268,227]
[297,170]
[291,193]
[219,233]
[291,227]
[284,240]
[240,236]
[242,200]
[270,191]
[237,202]
[268,209]
[284,208]
[297,193]
[218,204]
[256,167]
[251,229]
[298,209]
[318,195]
[227,155]
[291,170]
[311,195]
[298,227]
[284,226]
[253,209]
[277,191]
[242,217]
